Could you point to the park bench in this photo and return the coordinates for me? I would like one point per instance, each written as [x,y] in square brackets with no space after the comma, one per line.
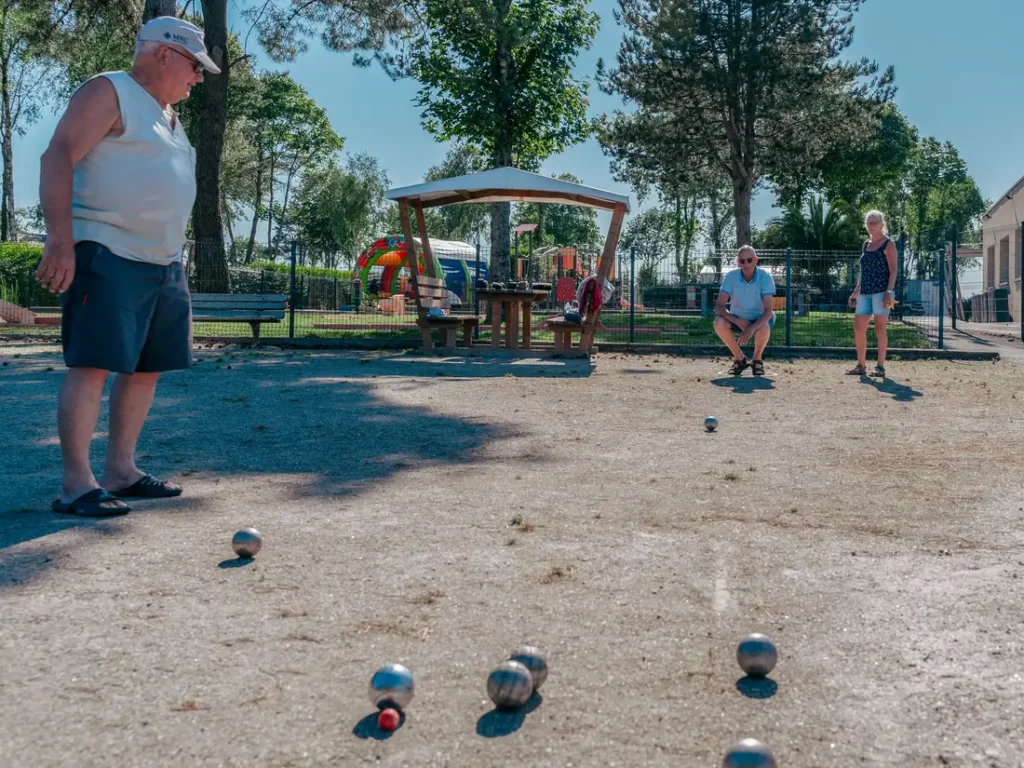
[254,309]
[431,293]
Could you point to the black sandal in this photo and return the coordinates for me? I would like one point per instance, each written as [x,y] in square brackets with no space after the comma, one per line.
[857,370]
[757,367]
[739,366]
[95,503]
[148,487]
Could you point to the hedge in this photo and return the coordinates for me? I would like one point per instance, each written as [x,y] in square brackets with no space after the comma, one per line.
[18,263]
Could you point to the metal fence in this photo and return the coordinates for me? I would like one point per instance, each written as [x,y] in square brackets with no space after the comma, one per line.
[655,299]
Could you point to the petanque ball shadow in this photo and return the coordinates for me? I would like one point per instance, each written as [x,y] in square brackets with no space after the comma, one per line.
[236,562]
[367,727]
[500,723]
[757,687]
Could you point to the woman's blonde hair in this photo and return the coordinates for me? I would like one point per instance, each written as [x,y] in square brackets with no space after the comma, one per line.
[876,216]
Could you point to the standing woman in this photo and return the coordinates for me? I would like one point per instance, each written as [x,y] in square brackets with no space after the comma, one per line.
[873,295]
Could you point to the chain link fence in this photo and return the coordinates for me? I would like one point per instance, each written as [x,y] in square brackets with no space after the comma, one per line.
[666,300]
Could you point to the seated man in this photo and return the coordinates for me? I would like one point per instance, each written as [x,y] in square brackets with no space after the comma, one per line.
[748,292]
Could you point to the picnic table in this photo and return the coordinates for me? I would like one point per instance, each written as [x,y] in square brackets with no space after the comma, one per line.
[508,306]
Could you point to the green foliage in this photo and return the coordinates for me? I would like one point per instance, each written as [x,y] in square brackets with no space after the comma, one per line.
[820,227]
[337,210]
[741,87]
[18,262]
[278,267]
[498,74]
[650,233]
[562,225]
[455,222]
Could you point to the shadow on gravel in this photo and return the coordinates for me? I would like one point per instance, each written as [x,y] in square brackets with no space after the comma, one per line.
[498,723]
[367,727]
[757,687]
[318,425]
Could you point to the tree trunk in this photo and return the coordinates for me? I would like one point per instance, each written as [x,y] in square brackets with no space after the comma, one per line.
[256,206]
[7,146]
[6,140]
[207,223]
[677,229]
[501,242]
[742,191]
[154,8]
[225,210]
[716,234]
[270,207]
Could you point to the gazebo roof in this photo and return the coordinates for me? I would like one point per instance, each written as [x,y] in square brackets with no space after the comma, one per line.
[507,184]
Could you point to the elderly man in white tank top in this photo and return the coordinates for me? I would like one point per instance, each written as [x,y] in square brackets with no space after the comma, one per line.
[117,187]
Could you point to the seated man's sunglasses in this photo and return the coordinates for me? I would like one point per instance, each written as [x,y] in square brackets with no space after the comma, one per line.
[746,261]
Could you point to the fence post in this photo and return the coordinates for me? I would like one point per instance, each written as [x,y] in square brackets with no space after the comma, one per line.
[335,294]
[291,294]
[476,287]
[632,292]
[789,297]
[955,293]
[942,301]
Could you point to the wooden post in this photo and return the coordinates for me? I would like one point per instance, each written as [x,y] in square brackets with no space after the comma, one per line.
[604,268]
[410,247]
[428,255]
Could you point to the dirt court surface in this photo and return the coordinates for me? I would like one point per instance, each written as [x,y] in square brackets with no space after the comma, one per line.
[439,512]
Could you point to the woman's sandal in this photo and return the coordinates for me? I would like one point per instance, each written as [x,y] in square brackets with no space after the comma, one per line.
[757,367]
[857,370]
[879,372]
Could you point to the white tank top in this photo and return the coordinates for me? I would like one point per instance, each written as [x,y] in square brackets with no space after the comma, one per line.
[133,193]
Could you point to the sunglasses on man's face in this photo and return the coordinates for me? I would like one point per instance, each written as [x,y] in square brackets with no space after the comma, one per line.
[196,65]
[746,261]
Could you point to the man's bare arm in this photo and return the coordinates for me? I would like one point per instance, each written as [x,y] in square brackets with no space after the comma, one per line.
[92,114]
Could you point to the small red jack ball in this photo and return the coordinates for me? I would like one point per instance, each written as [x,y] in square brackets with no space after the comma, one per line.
[388,719]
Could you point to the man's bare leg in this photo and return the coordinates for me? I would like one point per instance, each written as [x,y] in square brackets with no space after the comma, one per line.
[726,333]
[761,341]
[78,410]
[130,400]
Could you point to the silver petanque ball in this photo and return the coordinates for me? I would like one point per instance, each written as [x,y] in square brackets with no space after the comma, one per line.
[247,542]
[392,686]
[710,423]
[756,655]
[749,753]
[510,685]
[531,658]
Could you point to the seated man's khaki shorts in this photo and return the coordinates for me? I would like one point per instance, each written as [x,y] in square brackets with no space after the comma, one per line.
[126,316]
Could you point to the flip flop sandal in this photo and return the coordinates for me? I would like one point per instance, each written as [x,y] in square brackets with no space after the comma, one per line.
[95,503]
[858,370]
[738,366]
[879,372]
[148,487]
[758,367]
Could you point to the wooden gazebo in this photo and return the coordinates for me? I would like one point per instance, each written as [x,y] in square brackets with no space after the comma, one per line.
[511,185]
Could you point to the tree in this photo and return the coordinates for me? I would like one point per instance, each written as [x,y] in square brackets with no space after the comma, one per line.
[750,88]
[650,233]
[498,74]
[24,88]
[335,209]
[456,222]
[559,224]
[289,131]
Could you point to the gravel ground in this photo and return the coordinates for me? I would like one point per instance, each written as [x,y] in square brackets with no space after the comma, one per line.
[439,512]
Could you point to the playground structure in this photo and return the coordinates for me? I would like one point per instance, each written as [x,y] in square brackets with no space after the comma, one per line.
[387,261]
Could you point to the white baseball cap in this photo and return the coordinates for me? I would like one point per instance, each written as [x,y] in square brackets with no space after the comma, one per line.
[169,30]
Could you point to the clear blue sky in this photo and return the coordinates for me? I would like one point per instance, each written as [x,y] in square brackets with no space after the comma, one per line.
[957,68]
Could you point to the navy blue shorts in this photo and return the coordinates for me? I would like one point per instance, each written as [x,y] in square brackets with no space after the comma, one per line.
[126,316]
[771,324]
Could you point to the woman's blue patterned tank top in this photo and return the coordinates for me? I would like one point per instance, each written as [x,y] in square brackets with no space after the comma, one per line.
[874,270]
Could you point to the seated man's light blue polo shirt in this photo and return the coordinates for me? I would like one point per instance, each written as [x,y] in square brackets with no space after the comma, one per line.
[746,299]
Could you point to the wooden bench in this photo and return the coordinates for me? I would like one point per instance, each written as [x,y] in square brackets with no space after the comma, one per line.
[563,330]
[431,293]
[254,309]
